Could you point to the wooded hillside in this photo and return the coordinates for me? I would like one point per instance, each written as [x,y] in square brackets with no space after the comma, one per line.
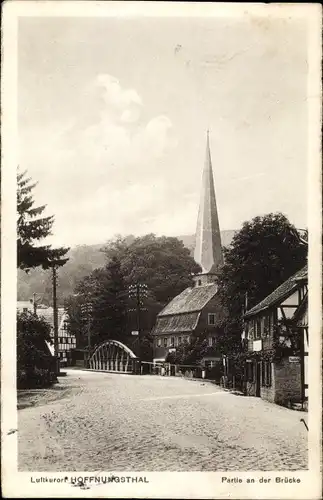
[83,260]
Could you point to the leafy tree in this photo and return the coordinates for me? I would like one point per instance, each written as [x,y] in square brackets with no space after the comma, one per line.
[31,228]
[163,263]
[262,255]
[109,308]
[104,291]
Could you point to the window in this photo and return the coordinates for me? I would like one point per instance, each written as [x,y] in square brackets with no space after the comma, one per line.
[25,309]
[159,342]
[211,319]
[266,374]
[165,341]
[258,329]
[179,340]
[268,325]
[212,341]
[199,282]
[172,341]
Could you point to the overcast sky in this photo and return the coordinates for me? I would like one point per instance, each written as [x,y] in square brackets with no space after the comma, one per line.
[113,116]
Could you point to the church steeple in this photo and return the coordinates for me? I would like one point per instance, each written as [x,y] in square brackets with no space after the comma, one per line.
[208,248]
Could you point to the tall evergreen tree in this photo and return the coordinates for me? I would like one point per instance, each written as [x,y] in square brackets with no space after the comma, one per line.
[31,228]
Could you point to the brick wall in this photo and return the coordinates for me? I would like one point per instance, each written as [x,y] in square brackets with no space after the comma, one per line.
[268,393]
[287,381]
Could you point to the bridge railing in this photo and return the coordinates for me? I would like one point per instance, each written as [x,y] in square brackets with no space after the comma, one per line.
[112,356]
[171,370]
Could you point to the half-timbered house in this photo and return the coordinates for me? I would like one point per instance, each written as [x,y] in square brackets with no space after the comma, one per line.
[275,369]
[66,340]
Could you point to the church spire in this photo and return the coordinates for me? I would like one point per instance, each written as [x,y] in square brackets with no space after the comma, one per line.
[208,248]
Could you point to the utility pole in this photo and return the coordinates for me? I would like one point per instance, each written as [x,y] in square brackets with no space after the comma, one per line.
[138,300]
[87,310]
[138,292]
[34,304]
[55,316]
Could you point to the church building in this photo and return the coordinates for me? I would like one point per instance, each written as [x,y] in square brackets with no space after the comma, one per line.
[197,310]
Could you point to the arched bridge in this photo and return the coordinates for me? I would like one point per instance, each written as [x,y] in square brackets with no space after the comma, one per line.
[113,356]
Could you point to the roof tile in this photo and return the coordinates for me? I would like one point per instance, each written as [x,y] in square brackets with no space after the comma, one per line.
[179,323]
[190,300]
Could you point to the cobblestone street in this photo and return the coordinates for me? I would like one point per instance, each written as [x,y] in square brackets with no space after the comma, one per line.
[149,423]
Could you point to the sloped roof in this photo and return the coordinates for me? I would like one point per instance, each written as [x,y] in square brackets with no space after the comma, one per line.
[50,348]
[48,315]
[190,300]
[279,293]
[179,323]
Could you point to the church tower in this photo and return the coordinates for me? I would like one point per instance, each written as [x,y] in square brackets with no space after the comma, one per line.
[208,248]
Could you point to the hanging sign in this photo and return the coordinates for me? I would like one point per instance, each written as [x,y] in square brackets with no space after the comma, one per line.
[294,359]
[257,345]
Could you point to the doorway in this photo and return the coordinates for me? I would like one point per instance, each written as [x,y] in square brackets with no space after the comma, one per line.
[258,371]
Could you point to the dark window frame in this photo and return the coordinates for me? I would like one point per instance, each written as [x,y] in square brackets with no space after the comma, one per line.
[211,315]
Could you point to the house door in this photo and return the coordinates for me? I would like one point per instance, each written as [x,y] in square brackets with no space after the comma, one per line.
[258,370]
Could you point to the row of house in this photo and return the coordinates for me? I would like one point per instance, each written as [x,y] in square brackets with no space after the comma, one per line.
[278,324]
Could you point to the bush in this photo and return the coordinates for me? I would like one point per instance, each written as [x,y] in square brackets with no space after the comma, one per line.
[35,365]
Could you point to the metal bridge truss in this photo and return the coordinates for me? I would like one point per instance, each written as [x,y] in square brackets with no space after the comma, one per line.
[113,356]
